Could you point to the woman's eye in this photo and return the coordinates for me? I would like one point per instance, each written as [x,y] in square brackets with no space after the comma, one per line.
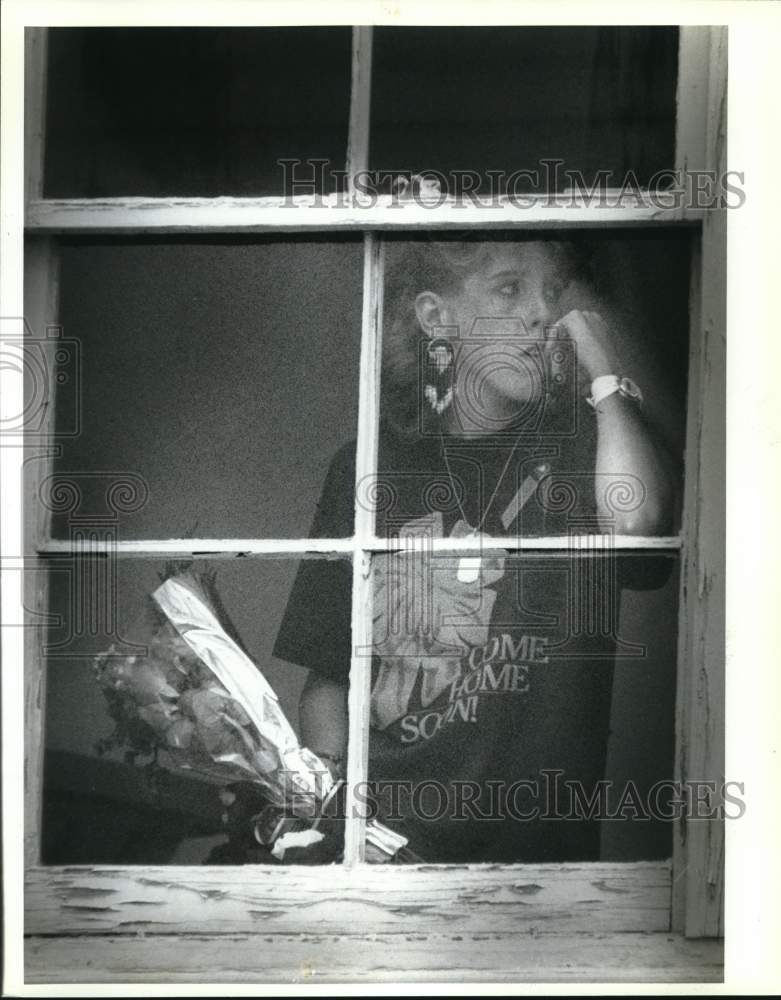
[510,290]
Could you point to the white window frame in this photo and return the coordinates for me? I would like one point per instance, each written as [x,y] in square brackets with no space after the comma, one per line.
[355,921]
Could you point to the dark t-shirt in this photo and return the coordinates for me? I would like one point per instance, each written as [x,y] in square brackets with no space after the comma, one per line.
[491,688]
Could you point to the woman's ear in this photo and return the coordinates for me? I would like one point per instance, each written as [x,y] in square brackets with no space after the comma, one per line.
[431,312]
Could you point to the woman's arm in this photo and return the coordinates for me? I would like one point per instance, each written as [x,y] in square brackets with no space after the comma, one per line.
[632,470]
[322,713]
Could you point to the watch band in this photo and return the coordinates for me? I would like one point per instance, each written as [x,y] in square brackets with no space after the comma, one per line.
[605,385]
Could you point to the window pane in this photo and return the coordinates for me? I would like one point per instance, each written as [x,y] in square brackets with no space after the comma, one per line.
[192,111]
[221,377]
[503,99]
[140,745]
[507,706]
[490,348]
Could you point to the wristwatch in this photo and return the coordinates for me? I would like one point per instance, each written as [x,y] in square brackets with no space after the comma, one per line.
[606,385]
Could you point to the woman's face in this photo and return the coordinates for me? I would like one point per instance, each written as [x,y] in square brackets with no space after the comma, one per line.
[501,312]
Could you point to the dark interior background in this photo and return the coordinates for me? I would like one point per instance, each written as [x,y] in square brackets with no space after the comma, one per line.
[213,110]
[223,373]
[642,724]
[504,98]
[193,111]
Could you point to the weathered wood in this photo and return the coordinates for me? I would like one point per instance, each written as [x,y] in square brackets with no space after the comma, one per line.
[362,593]
[408,956]
[35,74]
[203,548]
[487,899]
[699,844]
[367,445]
[705,840]
[216,548]
[686,635]
[334,213]
[360,102]
[40,309]
[692,97]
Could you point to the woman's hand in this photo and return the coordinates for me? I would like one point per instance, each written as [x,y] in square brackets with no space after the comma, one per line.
[630,464]
[594,344]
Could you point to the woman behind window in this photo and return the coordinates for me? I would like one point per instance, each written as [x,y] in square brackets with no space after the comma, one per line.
[506,411]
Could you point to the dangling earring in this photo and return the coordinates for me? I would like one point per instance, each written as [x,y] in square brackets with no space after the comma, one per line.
[438,389]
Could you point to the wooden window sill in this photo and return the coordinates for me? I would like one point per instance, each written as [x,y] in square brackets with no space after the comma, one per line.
[600,922]
[414,955]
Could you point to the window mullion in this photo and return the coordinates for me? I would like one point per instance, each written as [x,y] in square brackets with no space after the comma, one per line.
[360,103]
[369,211]
[362,611]
[591,543]
[225,548]
[203,548]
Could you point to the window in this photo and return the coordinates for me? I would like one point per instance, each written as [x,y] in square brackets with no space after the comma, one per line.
[204,275]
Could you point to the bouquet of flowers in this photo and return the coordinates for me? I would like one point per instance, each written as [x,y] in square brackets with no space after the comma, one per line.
[197,699]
